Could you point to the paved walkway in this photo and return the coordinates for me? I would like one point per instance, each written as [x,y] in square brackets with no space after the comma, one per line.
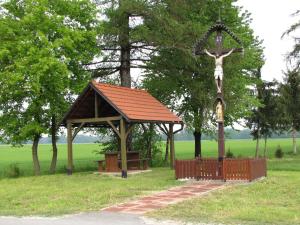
[164,198]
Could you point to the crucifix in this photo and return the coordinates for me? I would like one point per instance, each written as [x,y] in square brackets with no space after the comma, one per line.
[218,54]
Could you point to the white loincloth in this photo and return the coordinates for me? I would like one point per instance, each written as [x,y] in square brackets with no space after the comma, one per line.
[218,73]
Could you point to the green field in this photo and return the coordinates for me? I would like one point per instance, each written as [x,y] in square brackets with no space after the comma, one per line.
[274,200]
[85,156]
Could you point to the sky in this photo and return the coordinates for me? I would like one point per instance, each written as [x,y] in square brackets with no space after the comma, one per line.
[271,18]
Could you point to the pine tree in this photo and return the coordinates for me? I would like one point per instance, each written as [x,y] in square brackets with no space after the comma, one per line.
[290,99]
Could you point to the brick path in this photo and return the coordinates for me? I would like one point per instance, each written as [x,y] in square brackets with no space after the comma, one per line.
[164,198]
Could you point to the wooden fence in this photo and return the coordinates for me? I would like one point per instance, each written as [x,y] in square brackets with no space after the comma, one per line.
[227,169]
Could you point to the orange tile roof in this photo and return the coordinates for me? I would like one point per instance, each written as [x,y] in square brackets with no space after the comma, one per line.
[135,104]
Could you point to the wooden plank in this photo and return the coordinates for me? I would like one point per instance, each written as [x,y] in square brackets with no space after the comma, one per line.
[77,131]
[114,128]
[94,120]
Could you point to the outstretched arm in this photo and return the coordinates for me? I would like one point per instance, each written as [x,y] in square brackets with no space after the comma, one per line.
[227,54]
[208,53]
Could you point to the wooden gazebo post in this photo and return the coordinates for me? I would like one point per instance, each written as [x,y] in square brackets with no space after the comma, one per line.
[172,146]
[123,148]
[70,148]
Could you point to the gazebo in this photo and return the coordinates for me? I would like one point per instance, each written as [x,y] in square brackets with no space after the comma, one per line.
[118,108]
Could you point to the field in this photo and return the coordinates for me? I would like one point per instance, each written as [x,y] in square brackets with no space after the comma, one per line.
[85,154]
[275,200]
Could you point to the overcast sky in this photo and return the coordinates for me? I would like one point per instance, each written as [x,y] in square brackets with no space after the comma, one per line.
[271,18]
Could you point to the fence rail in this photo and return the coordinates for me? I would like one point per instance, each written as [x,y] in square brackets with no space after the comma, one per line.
[227,169]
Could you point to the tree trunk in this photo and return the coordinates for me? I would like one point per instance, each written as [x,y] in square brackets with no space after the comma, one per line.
[257,148]
[197,137]
[36,163]
[167,149]
[265,148]
[54,146]
[125,63]
[257,141]
[125,51]
[294,141]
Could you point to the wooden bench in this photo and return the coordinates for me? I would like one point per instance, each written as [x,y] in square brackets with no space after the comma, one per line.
[135,164]
[113,162]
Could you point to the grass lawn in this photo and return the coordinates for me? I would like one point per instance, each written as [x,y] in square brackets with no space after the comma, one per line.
[85,156]
[275,200]
[85,191]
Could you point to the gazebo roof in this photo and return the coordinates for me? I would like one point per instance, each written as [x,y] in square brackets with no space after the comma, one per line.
[134,105]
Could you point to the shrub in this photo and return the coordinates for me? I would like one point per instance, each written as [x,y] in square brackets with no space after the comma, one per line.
[229,154]
[279,153]
[13,171]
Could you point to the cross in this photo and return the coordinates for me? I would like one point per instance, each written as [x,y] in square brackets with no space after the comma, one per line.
[218,53]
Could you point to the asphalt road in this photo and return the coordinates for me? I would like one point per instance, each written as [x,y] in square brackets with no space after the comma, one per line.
[102,218]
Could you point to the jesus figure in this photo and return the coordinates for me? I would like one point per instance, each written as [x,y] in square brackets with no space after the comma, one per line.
[219,67]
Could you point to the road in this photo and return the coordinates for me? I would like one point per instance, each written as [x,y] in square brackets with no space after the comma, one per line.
[97,218]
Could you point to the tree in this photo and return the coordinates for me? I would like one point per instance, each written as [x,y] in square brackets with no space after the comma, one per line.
[44,47]
[290,99]
[125,39]
[294,54]
[264,118]
[270,111]
[185,82]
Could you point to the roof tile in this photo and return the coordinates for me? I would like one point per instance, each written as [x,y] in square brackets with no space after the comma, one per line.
[136,104]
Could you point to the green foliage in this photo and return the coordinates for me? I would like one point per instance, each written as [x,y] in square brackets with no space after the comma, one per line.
[229,154]
[279,153]
[145,140]
[265,118]
[44,46]
[290,100]
[185,82]
[13,171]
[294,54]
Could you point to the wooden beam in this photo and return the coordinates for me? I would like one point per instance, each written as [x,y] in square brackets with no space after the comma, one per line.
[123,148]
[172,147]
[70,150]
[77,131]
[114,128]
[180,129]
[163,130]
[96,105]
[94,120]
[129,130]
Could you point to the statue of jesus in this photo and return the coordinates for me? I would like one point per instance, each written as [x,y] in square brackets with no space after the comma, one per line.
[219,67]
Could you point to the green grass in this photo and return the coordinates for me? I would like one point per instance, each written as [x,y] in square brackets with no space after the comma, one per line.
[275,200]
[85,191]
[84,155]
